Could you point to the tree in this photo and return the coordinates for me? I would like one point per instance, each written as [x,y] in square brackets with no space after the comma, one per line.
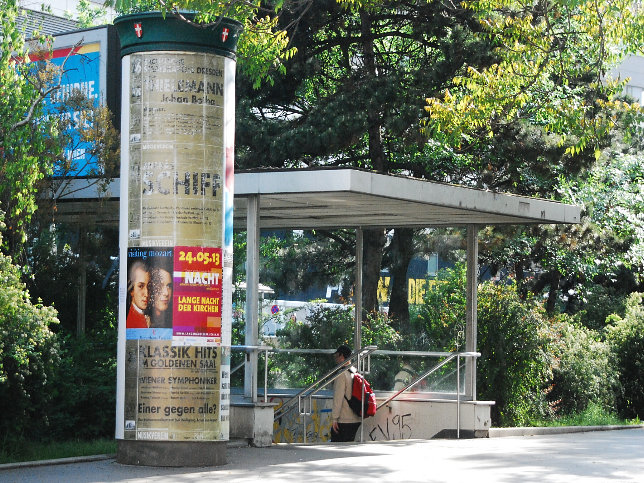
[551,67]
[599,259]
[352,97]
[29,355]
[262,48]
[29,144]
[34,137]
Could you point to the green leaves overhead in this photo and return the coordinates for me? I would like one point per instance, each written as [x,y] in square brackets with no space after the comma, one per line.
[551,67]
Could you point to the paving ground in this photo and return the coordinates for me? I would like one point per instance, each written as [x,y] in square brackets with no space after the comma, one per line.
[595,456]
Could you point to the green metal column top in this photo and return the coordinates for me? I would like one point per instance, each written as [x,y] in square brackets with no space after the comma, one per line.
[150,31]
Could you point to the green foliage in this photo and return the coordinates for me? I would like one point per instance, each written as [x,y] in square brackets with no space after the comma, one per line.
[32,141]
[612,194]
[584,374]
[514,366]
[626,338]
[593,415]
[516,361]
[29,356]
[27,147]
[551,61]
[327,328]
[440,321]
[89,15]
[34,451]
[83,402]
[54,263]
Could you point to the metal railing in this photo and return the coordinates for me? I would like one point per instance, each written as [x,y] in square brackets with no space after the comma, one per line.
[249,349]
[304,397]
[361,357]
[448,356]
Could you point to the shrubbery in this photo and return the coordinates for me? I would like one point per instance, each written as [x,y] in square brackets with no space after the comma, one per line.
[29,356]
[516,361]
[626,338]
[584,372]
[52,386]
[533,367]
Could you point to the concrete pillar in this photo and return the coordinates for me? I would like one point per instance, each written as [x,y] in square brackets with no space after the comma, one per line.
[471,310]
[357,296]
[252,299]
[175,306]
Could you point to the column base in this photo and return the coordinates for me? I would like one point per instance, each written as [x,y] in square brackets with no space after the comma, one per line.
[171,453]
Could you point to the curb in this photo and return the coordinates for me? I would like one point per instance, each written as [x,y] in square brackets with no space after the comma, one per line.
[536,431]
[59,461]
[233,443]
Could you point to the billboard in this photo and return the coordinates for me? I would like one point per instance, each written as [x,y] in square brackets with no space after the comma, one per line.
[90,65]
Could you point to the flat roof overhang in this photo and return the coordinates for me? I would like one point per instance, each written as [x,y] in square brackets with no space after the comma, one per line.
[346,198]
[341,198]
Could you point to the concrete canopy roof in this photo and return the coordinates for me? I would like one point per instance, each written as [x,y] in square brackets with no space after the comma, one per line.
[345,197]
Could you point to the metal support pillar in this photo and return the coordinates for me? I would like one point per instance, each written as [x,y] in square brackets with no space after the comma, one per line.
[471,308]
[357,293]
[252,298]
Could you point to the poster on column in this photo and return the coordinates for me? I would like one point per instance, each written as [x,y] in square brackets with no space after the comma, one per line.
[197,296]
[177,393]
[177,388]
[176,150]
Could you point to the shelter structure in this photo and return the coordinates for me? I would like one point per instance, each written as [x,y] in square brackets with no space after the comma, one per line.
[358,199]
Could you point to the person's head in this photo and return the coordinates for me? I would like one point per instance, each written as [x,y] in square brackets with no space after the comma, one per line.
[342,354]
[160,290]
[138,280]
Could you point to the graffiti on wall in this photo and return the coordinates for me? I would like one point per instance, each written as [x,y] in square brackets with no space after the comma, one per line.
[290,428]
[397,426]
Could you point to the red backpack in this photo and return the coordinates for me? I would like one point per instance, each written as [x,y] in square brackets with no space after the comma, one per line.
[362,405]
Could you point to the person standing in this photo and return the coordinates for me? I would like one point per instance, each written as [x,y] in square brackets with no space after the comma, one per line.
[345,421]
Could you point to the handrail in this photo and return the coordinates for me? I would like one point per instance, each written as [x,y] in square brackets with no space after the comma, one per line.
[449,357]
[323,381]
[255,348]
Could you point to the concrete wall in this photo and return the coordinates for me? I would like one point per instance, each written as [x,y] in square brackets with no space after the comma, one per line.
[411,418]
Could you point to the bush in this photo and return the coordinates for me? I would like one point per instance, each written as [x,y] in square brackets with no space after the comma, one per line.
[84,394]
[584,374]
[626,339]
[29,354]
[327,328]
[515,364]
[439,324]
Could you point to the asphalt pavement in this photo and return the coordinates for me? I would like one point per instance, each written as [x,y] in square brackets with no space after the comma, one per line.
[593,456]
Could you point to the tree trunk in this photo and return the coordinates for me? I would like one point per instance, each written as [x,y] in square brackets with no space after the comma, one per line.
[402,250]
[374,118]
[374,241]
[551,303]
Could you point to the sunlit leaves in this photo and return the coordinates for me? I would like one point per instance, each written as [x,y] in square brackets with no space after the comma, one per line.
[552,61]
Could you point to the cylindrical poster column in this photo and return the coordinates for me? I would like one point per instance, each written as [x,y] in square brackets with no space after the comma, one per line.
[173,374]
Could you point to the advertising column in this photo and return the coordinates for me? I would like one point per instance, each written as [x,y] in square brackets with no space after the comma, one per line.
[175,311]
